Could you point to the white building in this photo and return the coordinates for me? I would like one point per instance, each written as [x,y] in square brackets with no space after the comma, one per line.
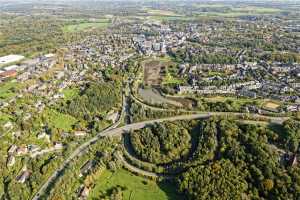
[10,59]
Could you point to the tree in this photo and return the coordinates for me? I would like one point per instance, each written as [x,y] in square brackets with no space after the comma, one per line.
[268,184]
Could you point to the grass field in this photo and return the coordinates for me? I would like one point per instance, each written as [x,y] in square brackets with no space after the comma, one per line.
[256,10]
[169,79]
[59,120]
[240,11]
[160,15]
[70,93]
[6,89]
[82,26]
[137,188]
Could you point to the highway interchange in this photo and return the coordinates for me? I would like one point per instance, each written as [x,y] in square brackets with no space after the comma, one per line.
[115,130]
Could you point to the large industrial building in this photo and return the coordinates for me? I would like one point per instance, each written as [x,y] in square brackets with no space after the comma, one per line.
[10,59]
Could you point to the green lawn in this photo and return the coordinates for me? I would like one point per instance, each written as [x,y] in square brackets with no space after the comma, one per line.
[169,79]
[137,188]
[6,89]
[103,23]
[59,120]
[70,93]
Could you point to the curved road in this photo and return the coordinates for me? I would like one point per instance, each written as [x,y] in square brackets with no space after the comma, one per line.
[113,131]
[140,171]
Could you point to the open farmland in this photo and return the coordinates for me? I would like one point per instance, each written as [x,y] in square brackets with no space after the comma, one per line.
[161,12]
[82,26]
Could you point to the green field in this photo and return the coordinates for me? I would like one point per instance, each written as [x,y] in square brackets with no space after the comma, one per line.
[241,11]
[256,10]
[169,79]
[70,93]
[59,120]
[137,188]
[6,89]
[82,26]
[167,15]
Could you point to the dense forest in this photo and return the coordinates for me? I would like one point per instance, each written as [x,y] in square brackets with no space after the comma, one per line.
[243,161]
[94,100]
[161,143]
[231,159]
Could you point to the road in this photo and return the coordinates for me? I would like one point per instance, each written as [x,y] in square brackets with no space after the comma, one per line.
[140,171]
[113,131]
[77,152]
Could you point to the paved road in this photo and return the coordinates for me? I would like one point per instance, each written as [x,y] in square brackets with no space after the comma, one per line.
[77,152]
[113,131]
[140,171]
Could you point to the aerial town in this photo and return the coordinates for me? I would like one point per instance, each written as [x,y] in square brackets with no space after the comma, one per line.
[149,100]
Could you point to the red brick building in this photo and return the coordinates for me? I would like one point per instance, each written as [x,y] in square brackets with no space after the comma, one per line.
[8,74]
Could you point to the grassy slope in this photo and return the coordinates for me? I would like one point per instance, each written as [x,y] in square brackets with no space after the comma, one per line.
[137,187]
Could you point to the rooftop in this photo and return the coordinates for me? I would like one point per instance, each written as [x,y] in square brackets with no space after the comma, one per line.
[10,59]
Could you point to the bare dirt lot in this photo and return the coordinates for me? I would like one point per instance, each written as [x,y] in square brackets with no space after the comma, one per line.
[269,105]
[154,71]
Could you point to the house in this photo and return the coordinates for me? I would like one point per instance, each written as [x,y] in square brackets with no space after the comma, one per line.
[58,145]
[87,167]
[8,125]
[33,148]
[10,161]
[8,74]
[23,176]
[12,149]
[41,135]
[83,193]
[16,134]
[60,75]
[80,133]
[293,108]
[50,55]
[22,150]
[12,67]
[112,116]
[247,93]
